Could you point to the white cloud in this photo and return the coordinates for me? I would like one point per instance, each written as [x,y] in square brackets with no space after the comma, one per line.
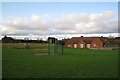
[61,36]
[84,23]
[45,15]
[71,23]
[35,17]
[35,24]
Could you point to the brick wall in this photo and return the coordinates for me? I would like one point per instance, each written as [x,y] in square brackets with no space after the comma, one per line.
[98,43]
[81,42]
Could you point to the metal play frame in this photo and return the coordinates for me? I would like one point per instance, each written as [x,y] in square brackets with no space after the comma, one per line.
[54,46]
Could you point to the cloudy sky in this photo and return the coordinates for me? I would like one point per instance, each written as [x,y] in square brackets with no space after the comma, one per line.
[59,19]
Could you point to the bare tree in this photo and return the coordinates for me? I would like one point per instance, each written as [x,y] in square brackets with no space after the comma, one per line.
[26,38]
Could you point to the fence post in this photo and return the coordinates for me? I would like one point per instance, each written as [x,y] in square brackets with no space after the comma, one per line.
[48,47]
[62,49]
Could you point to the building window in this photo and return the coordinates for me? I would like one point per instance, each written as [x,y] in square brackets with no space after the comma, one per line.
[94,45]
[81,45]
[75,45]
[68,45]
[88,45]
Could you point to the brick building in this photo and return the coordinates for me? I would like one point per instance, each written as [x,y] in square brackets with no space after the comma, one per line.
[86,42]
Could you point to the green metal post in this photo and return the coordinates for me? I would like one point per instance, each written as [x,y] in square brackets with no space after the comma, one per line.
[48,47]
[62,49]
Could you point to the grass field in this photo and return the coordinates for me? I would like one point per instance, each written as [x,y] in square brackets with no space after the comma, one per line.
[21,45]
[75,63]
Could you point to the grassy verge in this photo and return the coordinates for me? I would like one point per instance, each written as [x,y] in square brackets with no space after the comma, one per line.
[75,63]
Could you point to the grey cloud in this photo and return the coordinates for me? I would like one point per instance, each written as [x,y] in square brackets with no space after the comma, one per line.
[72,23]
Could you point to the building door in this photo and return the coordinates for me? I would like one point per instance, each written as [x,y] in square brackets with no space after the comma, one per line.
[81,45]
[75,45]
[88,45]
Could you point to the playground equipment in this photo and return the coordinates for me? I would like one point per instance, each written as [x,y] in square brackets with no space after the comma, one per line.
[26,46]
[54,46]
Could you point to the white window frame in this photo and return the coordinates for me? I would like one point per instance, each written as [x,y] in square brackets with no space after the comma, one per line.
[74,45]
[87,45]
[68,45]
[94,45]
[82,45]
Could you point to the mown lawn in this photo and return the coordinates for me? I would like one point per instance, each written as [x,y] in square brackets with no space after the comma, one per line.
[21,45]
[75,63]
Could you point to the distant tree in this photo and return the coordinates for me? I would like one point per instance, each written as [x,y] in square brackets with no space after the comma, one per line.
[38,38]
[111,37]
[5,36]
[26,38]
[41,39]
[102,36]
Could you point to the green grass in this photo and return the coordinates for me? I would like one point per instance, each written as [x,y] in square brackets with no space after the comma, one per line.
[112,45]
[21,45]
[75,63]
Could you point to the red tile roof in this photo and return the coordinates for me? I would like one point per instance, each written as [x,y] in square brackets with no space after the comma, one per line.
[75,40]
